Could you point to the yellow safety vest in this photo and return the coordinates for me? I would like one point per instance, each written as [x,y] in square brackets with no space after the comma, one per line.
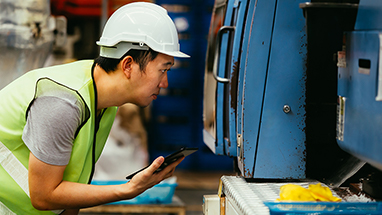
[15,100]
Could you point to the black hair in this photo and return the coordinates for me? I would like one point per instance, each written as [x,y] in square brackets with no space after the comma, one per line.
[141,57]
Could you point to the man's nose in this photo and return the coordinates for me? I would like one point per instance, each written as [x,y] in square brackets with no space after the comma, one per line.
[164,82]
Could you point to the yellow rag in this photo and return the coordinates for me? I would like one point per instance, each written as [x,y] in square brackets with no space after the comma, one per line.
[315,192]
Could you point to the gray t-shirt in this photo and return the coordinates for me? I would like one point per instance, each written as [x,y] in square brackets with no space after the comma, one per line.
[51,127]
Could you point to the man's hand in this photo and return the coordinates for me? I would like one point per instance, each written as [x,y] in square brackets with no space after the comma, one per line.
[148,178]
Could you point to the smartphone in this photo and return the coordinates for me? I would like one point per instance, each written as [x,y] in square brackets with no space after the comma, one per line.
[169,159]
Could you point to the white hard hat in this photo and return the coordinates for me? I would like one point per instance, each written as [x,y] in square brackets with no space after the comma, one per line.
[136,26]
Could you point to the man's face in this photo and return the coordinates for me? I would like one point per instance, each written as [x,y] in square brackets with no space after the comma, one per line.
[148,83]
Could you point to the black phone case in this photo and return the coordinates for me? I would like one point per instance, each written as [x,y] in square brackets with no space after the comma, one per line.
[183,152]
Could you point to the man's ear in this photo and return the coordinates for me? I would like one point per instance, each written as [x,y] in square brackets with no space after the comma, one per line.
[126,65]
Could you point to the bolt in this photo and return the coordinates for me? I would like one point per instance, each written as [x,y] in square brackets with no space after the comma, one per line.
[286,108]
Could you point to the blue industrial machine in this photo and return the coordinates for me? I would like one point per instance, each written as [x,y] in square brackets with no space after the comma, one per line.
[259,114]
[360,92]
[360,87]
[292,88]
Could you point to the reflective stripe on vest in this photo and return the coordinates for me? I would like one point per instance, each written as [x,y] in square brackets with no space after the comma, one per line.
[17,171]
[4,210]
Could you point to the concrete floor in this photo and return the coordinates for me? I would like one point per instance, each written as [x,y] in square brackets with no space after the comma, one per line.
[193,185]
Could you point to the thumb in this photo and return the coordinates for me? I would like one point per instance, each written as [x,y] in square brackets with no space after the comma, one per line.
[156,164]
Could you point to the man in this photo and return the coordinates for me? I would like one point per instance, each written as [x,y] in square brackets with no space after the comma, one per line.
[54,121]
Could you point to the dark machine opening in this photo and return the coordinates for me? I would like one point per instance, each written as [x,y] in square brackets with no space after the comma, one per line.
[326,23]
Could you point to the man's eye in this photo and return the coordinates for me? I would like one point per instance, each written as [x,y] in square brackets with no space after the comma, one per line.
[164,70]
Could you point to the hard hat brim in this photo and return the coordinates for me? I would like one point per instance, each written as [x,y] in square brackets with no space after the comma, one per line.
[176,54]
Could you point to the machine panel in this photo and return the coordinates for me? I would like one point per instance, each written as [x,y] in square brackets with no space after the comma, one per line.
[360,101]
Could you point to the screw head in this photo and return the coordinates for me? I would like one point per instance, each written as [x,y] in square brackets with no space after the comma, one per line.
[286,109]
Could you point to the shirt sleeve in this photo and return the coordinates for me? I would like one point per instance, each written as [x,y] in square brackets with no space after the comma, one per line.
[50,129]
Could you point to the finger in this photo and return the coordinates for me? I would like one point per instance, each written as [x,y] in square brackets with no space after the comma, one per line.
[171,168]
[176,163]
[155,164]
[169,174]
